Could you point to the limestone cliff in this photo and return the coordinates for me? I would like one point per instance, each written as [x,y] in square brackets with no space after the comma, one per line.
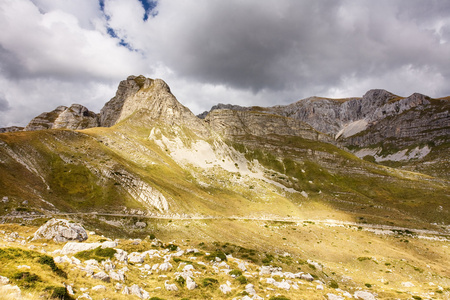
[240,123]
[11,129]
[138,94]
[75,117]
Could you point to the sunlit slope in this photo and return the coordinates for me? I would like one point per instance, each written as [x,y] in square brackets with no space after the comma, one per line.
[143,166]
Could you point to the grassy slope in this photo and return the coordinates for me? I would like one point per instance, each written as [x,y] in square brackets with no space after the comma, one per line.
[339,187]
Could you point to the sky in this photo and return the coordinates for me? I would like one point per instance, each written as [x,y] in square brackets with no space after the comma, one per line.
[245,52]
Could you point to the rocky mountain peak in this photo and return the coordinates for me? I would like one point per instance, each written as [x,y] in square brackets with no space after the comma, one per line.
[75,117]
[151,97]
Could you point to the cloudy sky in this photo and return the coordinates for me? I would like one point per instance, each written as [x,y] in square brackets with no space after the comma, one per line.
[247,52]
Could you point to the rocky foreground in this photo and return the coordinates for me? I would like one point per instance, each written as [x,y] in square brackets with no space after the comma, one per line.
[61,260]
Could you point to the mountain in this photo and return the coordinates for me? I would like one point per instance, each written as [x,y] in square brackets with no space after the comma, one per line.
[412,132]
[264,184]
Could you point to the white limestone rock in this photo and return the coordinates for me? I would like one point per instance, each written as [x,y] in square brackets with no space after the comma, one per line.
[225,289]
[190,284]
[102,276]
[61,230]
[170,286]
[136,258]
[4,280]
[363,295]
[166,266]
[334,297]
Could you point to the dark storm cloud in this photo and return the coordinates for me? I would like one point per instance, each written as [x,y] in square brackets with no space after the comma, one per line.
[285,44]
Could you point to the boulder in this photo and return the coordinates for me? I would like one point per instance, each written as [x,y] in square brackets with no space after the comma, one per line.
[102,276]
[140,225]
[136,258]
[190,284]
[4,280]
[166,266]
[61,230]
[118,276]
[121,255]
[170,286]
[363,295]
[334,297]
[225,289]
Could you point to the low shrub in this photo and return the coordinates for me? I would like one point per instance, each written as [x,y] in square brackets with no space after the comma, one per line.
[98,254]
[235,272]
[241,279]
[209,282]
[219,254]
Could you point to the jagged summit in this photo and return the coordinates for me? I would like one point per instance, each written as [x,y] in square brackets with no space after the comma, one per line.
[151,98]
[146,100]
[74,117]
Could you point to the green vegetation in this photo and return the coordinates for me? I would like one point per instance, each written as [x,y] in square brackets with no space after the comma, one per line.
[235,272]
[279,298]
[98,254]
[26,279]
[209,282]
[241,279]
[219,254]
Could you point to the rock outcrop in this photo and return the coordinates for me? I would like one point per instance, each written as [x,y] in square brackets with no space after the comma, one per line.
[235,123]
[75,117]
[11,129]
[61,230]
[138,95]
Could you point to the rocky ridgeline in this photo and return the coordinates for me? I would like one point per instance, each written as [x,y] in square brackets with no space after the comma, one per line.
[135,94]
[234,123]
[377,116]
[75,117]
[161,269]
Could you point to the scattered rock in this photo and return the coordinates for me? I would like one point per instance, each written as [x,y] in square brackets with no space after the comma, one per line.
[118,276]
[99,287]
[136,290]
[190,284]
[170,287]
[4,280]
[140,225]
[109,244]
[241,265]
[69,289]
[334,297]
[250,288]
[102,276]
[61,230]
[225,289]
[136,258]
[23,267]
[307,277]
[121,255]
[407,284]
[126,291]
[363,295]
[166,266]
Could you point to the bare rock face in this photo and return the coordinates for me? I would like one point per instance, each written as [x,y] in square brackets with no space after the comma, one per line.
[75,117]
[153,100]
[61,230]
[11,129]
[234,123]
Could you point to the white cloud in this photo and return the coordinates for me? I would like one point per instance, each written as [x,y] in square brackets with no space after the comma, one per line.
[242,52]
